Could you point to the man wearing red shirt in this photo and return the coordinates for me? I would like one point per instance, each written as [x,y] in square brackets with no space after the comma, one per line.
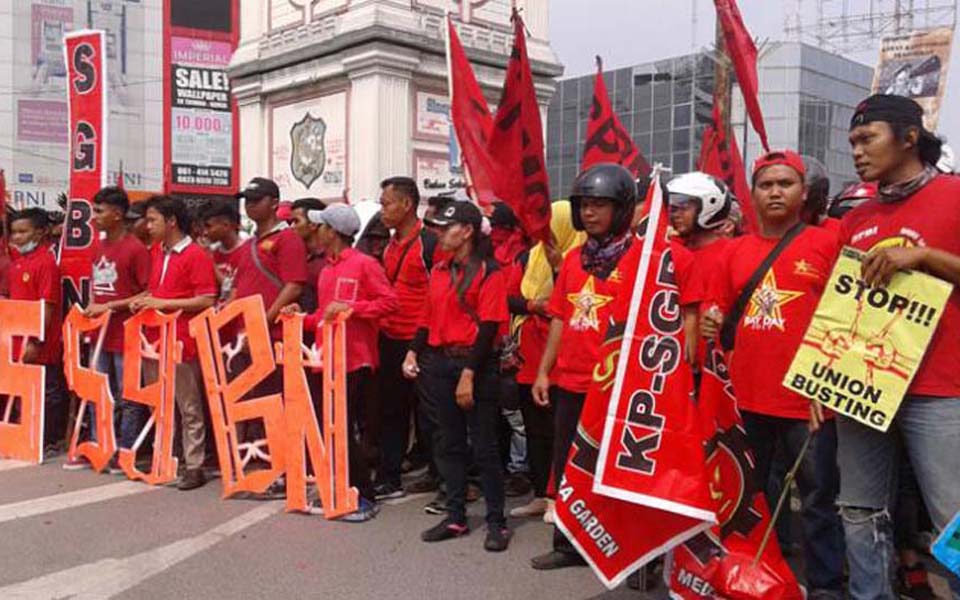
[4,274]
[354,282]
[768,334]
[912,224]
[273,264]
[602,201]
[316,260]
[182,278]
[34,275]
[407,260]
[121,272]
[221,227]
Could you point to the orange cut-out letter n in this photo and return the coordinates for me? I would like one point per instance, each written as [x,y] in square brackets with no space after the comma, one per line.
[327,452]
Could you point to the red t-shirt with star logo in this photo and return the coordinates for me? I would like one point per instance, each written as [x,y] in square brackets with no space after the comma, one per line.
[777,316]
[584,303]
[928,218]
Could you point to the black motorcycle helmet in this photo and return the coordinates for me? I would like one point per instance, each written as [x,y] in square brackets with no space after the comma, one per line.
[611,181]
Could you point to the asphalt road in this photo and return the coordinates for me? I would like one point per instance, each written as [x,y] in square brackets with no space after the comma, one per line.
[81,535]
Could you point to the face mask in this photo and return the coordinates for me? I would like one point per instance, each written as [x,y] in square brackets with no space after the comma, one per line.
[26,248]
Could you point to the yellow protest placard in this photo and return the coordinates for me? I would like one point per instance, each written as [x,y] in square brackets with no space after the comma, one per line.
[864,344]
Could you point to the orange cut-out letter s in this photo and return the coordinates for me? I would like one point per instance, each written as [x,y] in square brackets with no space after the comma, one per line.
[21,386]
[91,386]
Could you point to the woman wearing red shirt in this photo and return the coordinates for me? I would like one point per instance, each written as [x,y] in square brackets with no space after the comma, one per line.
[453,356]
[530,292]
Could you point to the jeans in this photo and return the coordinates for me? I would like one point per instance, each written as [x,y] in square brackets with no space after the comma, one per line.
[818,481]
[518,442]
[130,415]
[568,406]
[439,375]
[538,424]
[927,430]
[398,399]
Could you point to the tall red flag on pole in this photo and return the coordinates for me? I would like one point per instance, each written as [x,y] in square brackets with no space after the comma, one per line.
[516,143]
[472,121]
[607,139]
[720,157]
[743,53]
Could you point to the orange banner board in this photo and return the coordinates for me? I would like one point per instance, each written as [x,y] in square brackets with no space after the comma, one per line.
[21,386]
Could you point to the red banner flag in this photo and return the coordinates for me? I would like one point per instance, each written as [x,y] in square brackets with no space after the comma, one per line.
[85,53]
[636,484]
[720,157]
[516,143]
[472,121]
[607,139]
[721,563]
[743,53]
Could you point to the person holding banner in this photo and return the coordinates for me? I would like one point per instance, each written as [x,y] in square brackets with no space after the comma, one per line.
[34,275]
[762,297]
[121,272]
[352,282]
[182,278]
[602,200]
[911,225]
[452,357]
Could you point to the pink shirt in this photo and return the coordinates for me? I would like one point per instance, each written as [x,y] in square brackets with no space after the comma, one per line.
[359,281]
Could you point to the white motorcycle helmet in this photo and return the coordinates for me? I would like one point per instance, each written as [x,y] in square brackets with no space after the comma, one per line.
[711,195]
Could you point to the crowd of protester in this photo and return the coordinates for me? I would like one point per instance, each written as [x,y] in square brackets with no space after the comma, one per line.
[470,350]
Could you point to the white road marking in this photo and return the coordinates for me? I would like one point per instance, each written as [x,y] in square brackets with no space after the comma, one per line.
[7,464]
[39,506]
[111,576]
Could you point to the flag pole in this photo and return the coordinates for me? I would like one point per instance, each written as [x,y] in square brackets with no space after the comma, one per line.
[791,475]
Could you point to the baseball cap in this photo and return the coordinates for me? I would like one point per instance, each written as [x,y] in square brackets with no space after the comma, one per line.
[136,211]
[465,213]
[788,158]
[341,218]
[891,108]
[259,187]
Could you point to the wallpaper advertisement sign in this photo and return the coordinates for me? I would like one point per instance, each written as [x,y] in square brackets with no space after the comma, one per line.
[200,117]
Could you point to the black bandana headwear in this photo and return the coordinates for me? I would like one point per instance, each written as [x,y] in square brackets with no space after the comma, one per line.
[890,108]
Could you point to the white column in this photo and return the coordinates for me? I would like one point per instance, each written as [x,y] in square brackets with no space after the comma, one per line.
[380,117]
[254,145]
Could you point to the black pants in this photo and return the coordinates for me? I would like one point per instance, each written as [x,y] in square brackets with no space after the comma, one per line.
[567,408]
[439,375]
[538,423]
[360,469]
[818,479]
[398,398]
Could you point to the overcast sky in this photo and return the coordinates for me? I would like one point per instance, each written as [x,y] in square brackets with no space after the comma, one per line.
[627,32]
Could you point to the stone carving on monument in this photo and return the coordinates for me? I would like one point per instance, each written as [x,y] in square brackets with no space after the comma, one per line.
[307,155]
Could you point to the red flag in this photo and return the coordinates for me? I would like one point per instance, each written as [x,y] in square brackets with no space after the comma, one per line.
[471,119]
[720,157]
[516,143]
[120,176]
[720,563]
[743,53]
[607,140]
[636,484]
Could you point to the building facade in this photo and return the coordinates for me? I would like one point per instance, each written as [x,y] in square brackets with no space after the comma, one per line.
[336,95]
[33,96]
[807,96]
